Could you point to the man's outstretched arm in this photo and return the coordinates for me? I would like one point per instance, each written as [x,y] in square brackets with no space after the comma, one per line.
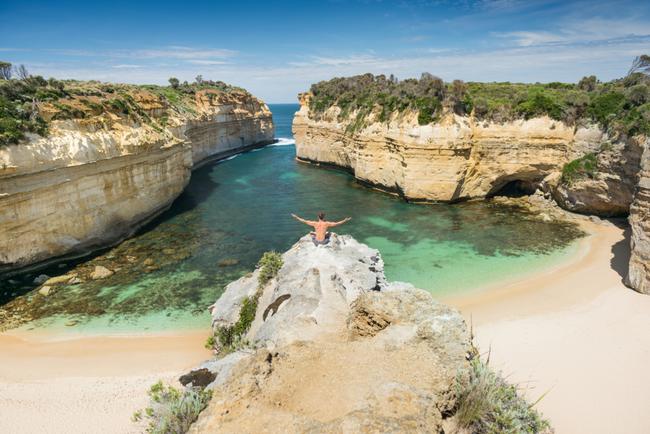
[345,220]
[301,220]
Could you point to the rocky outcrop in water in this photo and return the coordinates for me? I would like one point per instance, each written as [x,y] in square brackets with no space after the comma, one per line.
[94,180]
[639,272]
[334,347]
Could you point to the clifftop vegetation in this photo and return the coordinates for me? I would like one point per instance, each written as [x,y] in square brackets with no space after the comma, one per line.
[28,103]
[622,105]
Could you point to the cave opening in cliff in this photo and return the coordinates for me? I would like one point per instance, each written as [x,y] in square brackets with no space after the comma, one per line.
[515,188]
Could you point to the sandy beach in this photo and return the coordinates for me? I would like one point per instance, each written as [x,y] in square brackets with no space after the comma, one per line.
[89,385]
[576,334]
[573,332]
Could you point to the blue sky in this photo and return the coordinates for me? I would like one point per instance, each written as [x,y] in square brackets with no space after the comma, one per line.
[276,49]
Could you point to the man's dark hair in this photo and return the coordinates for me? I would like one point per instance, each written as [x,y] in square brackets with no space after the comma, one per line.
[321,215]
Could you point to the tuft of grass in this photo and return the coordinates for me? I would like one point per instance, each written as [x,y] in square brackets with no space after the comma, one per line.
[580,168]
[230,338]
[488,404]
[172,411]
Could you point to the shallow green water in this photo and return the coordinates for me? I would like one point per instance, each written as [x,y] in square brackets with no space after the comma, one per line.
[240,208]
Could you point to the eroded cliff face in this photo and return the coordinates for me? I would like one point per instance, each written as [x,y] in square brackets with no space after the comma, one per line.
[94,181]
[461,157]
[639,271]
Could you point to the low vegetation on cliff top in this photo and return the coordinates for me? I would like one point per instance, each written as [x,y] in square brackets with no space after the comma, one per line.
[29,102]
[622,106]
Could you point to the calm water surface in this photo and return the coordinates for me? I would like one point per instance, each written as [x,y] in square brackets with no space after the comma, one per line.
[235,210]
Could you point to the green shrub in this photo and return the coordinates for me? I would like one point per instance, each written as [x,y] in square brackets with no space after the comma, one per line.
[580,168]
[603,108]
[269,265]
[537,104]
[172,411]
[231,337]
[488,404]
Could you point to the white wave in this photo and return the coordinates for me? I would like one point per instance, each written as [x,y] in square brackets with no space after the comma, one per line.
[283,141]
[230,158]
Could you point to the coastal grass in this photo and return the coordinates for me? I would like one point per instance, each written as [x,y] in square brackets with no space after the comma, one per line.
[488,404]
[580,168]
[172,411]
[621,106]
[230,338]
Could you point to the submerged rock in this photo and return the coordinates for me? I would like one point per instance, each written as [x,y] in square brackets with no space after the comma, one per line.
[100,272]
[45,290]
[57,280]
[334,347]
[39,280]
[228,262]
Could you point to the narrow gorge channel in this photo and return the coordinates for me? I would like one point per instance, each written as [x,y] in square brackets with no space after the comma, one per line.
[234,210]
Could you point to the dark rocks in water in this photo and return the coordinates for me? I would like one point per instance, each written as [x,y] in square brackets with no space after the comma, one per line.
[39,280]
[198,377]
[228,262]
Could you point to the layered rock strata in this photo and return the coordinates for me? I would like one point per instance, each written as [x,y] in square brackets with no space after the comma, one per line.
[639,272]
[94,181]
[461,157]
[334,347]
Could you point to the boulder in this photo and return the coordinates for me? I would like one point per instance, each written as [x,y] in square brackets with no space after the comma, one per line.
[100,272]
[334,347]
[57,280]
[41,279]
[45,290]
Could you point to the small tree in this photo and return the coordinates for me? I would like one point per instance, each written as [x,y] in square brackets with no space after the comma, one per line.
[21,72]
[173,81]
[640,64]
[5,70]
[588,84]
[199,79]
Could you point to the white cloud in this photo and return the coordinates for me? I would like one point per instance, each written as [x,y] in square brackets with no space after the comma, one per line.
[206,62]
[126,66]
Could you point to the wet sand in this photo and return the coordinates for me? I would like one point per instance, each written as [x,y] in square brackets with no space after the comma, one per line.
[576,334]
[89,385]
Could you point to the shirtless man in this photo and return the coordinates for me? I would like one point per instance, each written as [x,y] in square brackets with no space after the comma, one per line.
[321,234]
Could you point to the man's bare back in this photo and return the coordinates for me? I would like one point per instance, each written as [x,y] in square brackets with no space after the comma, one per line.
[321,226]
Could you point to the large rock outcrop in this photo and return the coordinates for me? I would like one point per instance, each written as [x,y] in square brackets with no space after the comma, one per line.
[639,271]
[334,347]
[461,157]
[95,180]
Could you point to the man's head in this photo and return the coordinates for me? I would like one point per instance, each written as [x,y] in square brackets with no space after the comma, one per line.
[321,215]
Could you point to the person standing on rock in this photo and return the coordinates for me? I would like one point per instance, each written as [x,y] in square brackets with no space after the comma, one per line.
[321,235]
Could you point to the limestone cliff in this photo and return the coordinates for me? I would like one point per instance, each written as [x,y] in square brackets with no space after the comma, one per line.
[639,272]
[334,347]
[97,176]
[461,157]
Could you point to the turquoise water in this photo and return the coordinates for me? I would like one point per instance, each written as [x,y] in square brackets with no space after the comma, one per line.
[237,209]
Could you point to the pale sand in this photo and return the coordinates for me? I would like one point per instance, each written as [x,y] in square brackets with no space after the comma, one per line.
[576,333]
[86,385]
[573,331]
